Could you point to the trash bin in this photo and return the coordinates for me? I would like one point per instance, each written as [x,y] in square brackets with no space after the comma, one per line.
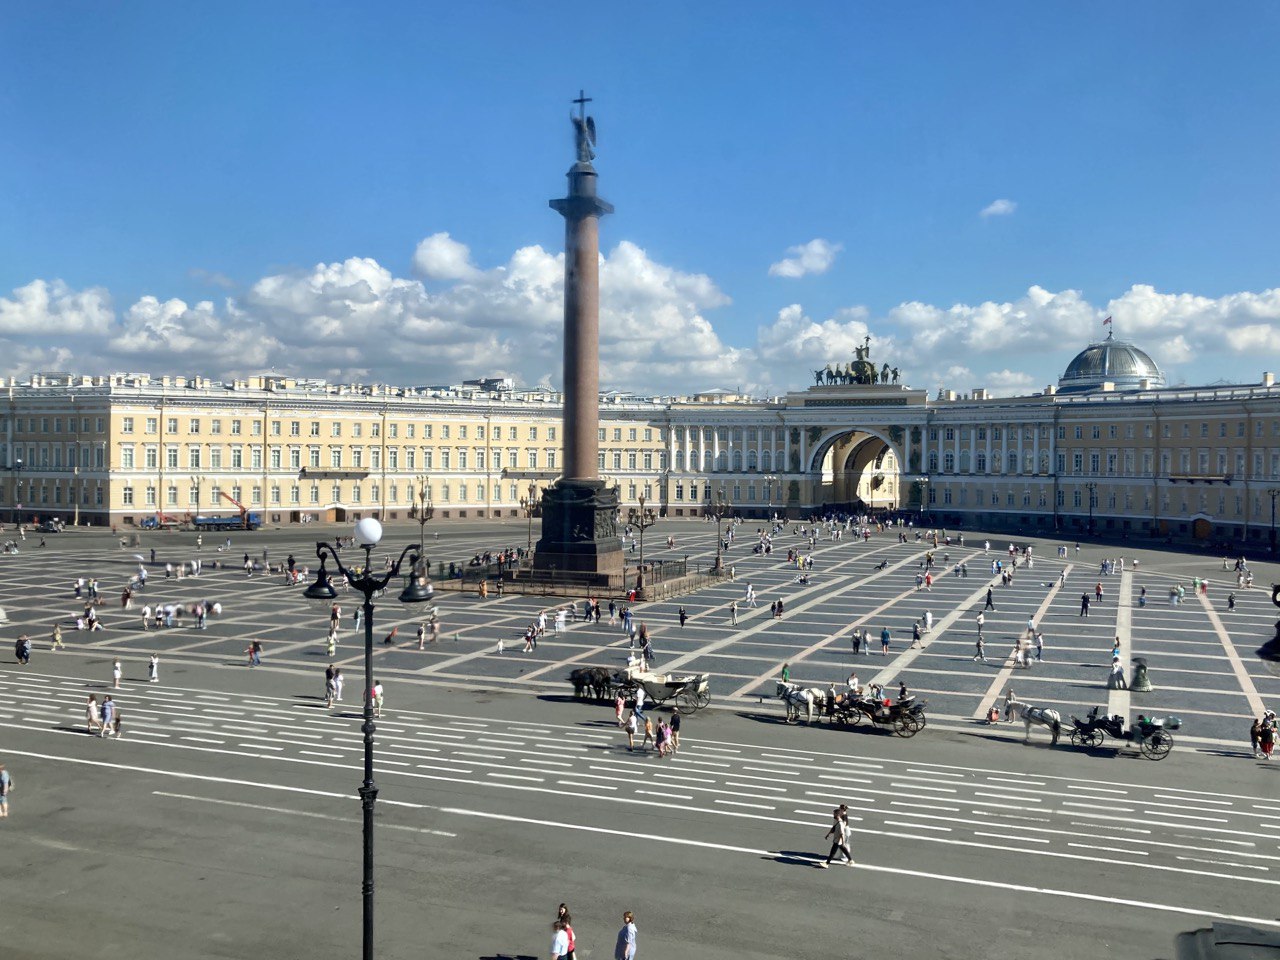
[1140,683]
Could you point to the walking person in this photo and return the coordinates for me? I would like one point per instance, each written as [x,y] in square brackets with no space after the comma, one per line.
[1040,645]
[329,689]
[630,728]
[108,716]
[6,788]
[153,669]
[683,617]
[885,637]
[981,653]
[1267,739]
[337,685]
[117,672]
[1084,604]
[648,733]
[915,635]
[839,837]
[625,948]
[675,731]
[733,612]
[1255,736]
[559,941]
[92,715]
[55,639]
[990,605]
[376,695]
[22,649]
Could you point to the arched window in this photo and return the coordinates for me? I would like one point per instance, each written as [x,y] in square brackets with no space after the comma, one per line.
[737,461]
[766,460]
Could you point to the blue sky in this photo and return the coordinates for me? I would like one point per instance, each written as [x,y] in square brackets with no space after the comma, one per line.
[238,186]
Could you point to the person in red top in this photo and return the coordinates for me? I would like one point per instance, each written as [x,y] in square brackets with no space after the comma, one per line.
[566,921]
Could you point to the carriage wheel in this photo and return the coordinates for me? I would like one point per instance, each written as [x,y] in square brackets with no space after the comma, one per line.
[903,726]
[704,698]
[686,702]
[1157,746]
[1086,738]
[854,716]
[917,720]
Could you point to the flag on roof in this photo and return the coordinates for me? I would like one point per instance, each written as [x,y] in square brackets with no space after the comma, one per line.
[1106,322]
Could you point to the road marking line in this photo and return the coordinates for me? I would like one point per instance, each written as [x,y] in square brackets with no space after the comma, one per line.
[831,638]
[1118,701]
[382,825]
[1006,671]
[1256,706]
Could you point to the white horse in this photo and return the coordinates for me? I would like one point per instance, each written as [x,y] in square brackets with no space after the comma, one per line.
[1029,715]
[796,696]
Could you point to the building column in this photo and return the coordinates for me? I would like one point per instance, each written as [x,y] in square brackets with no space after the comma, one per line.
[715,448]
[989,470]
[1035,450]
[1021,430]
[973,447]
[904,467]
[955,446]
[924,447]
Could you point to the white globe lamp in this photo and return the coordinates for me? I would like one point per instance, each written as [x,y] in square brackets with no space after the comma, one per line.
[368,532]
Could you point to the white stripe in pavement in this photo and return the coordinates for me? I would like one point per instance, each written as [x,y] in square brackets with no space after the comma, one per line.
[1034,783]
[749,806]
[1256,706]
[1005,672]
[300,813]
[1126,851]
[922,806]
[1184,816]
[831,638]
[665,796]
[1001,836]
[918,826]
[1118,701]
[1073,786]
[1225,863]
[933,773]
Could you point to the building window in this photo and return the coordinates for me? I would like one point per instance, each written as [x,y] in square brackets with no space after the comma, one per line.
[126,496]
[126,424]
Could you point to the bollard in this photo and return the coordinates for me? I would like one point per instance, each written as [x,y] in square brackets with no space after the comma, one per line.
[1141,683]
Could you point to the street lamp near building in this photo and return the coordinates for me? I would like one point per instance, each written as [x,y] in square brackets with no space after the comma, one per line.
[1273,493]
[1093,495]
[721,509]
[529,504]
[923,483]
[17,495]
[769,481]
[642,519]
[426,512]
[418,589]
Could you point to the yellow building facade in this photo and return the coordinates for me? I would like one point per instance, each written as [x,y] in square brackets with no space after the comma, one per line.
[1110,449]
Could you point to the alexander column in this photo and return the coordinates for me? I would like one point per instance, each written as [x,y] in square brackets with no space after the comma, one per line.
[579,512]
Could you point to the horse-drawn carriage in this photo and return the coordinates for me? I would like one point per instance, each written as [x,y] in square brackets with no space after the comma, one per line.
[905,716]
[690,692]
[1151,734]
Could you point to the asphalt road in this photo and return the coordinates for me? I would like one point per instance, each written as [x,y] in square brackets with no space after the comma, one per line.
[224,823]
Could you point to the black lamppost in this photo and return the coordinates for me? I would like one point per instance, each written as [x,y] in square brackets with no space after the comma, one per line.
[924,490]
[417,590]
[529,504]
[720,509]
[642,519]
[426,512]
[1273,493]
[769,481]
[1092,488]
[17,498]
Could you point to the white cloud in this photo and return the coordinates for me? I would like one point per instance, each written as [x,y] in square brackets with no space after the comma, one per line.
[356,320]
[816,256]
[44,308]
[440,257]
[998,208]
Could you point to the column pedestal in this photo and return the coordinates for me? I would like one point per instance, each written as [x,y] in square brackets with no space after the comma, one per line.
[579,540]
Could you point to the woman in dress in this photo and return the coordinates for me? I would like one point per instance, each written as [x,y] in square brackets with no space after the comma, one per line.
[92,715]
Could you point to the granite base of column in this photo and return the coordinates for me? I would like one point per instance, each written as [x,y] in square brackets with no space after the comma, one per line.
[579,542]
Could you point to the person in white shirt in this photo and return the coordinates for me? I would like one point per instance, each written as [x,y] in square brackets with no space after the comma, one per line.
[559,941]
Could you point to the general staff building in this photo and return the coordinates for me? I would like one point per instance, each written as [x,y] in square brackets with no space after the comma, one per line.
[1111,448]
